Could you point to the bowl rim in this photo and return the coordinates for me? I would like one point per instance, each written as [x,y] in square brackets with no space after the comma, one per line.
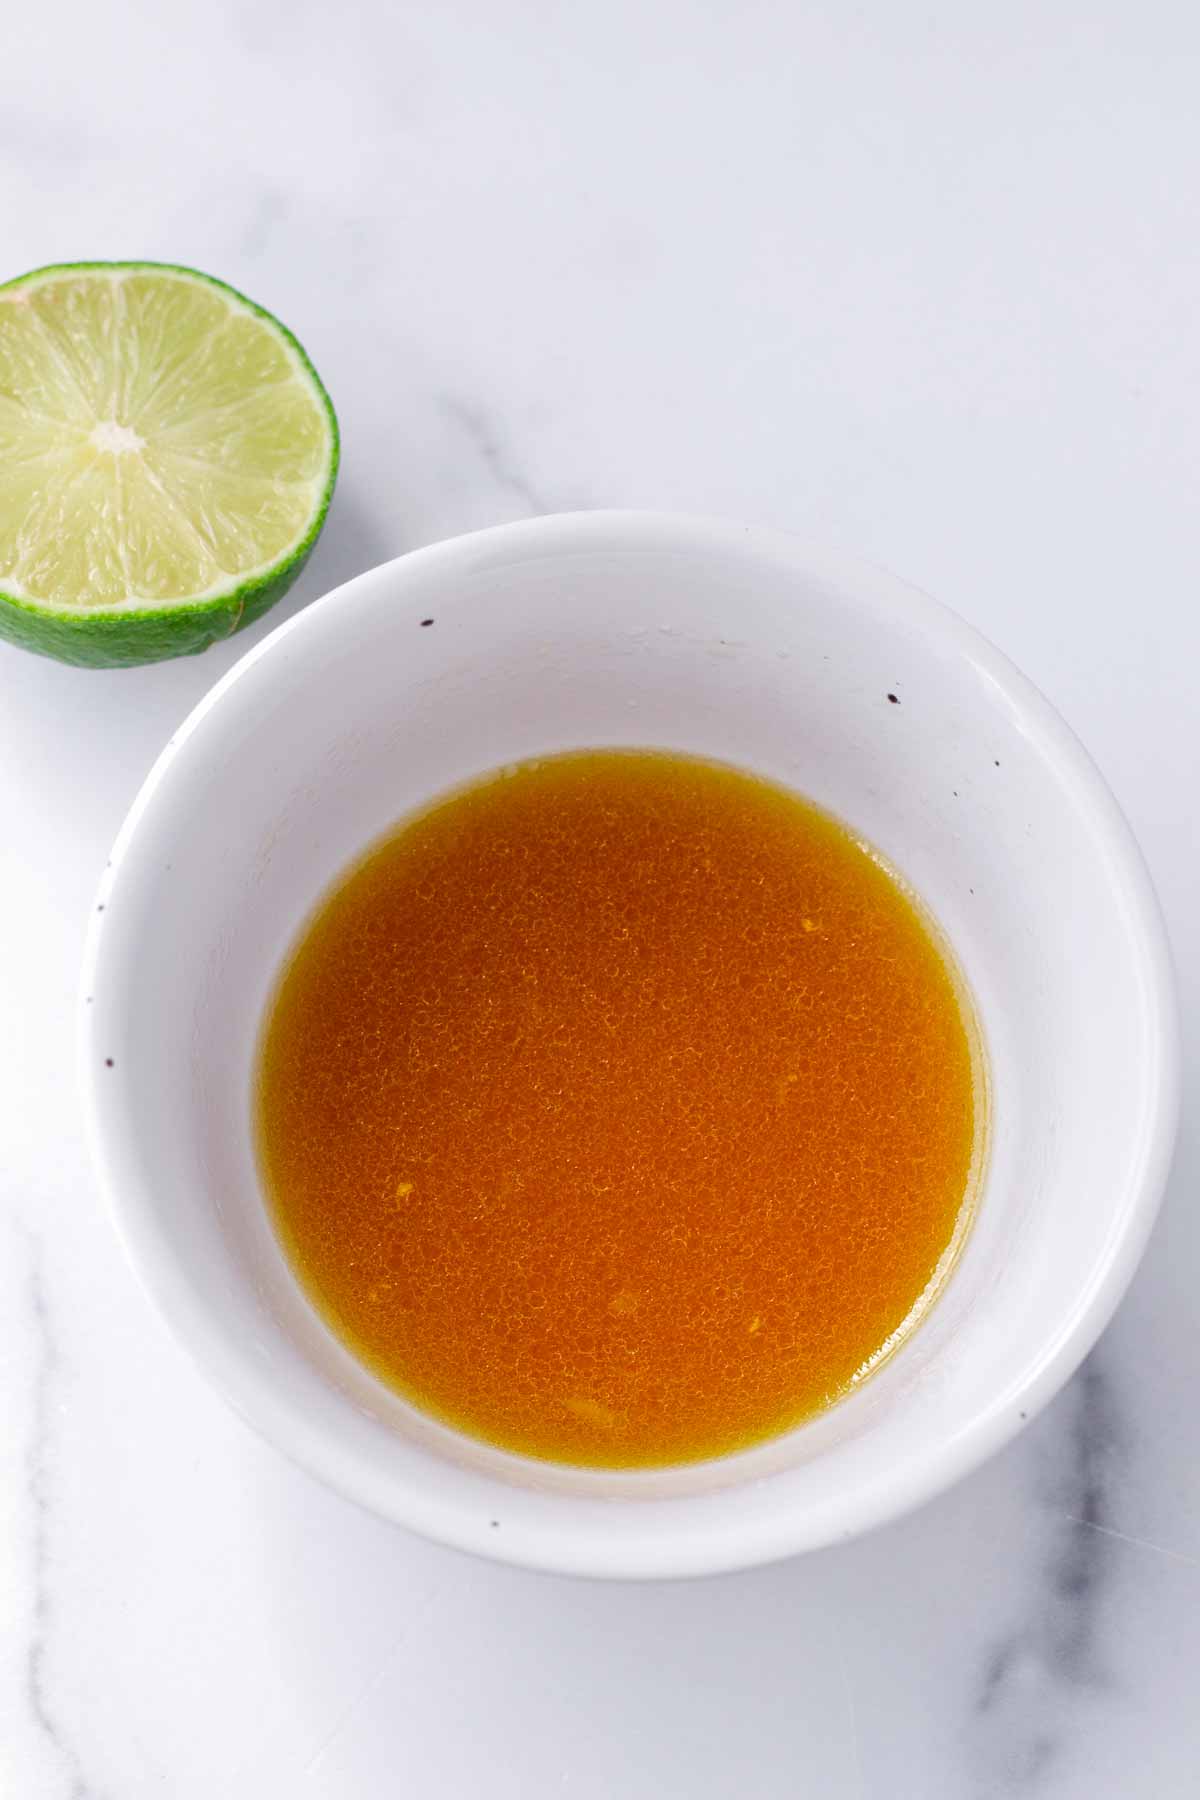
[720,1545]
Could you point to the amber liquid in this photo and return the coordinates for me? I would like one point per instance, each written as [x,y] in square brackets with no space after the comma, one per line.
[621,1109]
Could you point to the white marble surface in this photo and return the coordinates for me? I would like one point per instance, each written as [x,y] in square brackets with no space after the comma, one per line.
[920,277]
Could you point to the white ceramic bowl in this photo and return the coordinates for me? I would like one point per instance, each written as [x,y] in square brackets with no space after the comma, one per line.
[638,629]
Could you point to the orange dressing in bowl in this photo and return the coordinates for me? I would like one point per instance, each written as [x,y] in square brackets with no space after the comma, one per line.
[621,1109]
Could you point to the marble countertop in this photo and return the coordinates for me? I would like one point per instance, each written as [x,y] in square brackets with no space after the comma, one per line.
[920,279]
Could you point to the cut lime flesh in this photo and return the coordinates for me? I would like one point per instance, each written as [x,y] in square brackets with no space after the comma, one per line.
[167,457]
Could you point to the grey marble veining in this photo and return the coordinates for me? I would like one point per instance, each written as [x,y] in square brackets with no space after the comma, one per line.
[45,1375]
[1031,1674]
[497,462]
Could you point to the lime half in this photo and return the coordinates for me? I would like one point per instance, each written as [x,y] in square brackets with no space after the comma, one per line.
[167,457]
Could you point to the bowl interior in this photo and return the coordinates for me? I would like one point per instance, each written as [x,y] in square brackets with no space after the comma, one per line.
[621,630]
